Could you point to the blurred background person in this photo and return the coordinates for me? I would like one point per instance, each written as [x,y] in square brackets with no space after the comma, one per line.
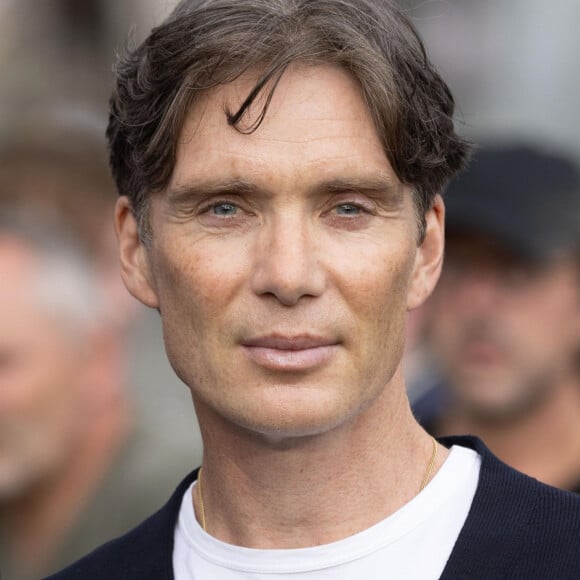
[504,321]
[63,415]
[80,460]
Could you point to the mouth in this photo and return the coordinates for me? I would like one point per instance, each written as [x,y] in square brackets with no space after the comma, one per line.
[290,353]
[483,352]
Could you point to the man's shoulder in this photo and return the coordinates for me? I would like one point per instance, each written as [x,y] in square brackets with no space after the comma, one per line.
[144,552]
[122,557]
[511,490]
[516,524]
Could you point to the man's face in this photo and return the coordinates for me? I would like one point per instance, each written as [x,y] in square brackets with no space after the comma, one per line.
[40,368]
[506,330]
[283,262]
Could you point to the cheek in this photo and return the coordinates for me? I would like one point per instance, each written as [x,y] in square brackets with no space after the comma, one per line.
[199,273]
[35,384]
[45,412]
[387,280]
[550,325]
[186,285]
[377,294]
[61,398]
[196,294]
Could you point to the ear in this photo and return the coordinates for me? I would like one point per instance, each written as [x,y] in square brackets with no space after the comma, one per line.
[429,257]
[135,267]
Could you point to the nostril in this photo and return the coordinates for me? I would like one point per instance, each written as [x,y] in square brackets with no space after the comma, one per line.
[288,269]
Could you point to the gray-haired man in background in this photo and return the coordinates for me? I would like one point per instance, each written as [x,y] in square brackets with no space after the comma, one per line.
[79,462]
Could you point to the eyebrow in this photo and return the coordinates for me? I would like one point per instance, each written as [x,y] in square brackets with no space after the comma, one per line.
[374,186]
[187,191]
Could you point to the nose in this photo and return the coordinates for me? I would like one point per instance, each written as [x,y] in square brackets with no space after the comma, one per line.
[287,264]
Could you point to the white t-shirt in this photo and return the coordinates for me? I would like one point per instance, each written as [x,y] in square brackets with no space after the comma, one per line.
[414,543]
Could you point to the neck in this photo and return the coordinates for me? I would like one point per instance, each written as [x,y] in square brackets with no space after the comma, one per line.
[35,523]
[543,443]
[313,490]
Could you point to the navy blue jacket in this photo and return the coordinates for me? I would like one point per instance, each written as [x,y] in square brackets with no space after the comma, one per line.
[517,529]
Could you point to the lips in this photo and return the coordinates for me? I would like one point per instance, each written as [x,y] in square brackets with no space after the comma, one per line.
[290,353]
[482,353]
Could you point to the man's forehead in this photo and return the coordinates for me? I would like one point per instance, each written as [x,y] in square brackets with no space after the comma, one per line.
[317,124]
[320,94]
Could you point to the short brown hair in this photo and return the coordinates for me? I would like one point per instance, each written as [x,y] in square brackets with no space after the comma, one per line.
[205,43]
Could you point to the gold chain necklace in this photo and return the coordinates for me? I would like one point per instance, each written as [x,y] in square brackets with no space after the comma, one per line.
[423,484]
[201,506]
[430,466]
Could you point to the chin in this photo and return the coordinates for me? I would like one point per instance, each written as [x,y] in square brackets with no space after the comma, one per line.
[501,410]
[284,420]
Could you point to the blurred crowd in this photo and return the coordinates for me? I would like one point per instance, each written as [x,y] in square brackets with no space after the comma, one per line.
[85,392]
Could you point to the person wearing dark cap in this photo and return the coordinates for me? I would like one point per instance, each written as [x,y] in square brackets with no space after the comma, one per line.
[504,322]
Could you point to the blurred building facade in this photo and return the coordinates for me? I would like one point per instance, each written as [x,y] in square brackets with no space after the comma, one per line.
[511,65]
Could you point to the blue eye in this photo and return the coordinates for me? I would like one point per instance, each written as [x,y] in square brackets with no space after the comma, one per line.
[347,209]
[224,209]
